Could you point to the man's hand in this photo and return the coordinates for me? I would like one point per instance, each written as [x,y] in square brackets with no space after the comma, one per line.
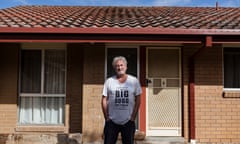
[105,108]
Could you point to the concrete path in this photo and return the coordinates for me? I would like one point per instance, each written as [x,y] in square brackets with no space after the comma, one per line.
[155,140]
[162,140]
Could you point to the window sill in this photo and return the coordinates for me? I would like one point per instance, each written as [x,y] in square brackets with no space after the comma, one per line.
[231,94]
[34,128]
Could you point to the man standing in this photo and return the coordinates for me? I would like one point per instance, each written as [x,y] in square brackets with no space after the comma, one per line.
[120,104]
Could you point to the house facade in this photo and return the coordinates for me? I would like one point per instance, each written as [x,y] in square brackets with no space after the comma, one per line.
[54,61]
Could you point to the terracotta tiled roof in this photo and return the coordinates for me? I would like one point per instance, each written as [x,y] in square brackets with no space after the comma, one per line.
[120,17]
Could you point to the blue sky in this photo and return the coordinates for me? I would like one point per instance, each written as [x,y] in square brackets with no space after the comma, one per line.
[204,3]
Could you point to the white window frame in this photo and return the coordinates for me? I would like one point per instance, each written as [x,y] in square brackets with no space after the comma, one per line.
[42,47]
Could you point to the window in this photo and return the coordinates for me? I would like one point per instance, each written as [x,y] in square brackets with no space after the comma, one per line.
[42,86]
[232,68]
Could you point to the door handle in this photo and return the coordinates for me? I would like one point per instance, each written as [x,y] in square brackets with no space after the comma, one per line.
[148,81]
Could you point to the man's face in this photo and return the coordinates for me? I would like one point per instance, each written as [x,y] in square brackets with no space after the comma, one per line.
[120,67]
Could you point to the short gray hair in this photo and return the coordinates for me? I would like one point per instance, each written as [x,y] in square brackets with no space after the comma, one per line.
[117,58]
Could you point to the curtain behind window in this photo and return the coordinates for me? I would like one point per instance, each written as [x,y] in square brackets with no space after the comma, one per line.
[54,82]
[31,71]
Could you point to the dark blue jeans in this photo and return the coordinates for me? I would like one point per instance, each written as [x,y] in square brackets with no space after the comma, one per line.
[111,131]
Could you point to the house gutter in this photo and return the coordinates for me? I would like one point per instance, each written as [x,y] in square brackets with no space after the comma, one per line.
[119,35]
[191,90]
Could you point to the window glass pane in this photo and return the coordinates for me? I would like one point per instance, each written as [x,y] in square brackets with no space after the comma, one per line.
[31,71]
[54,82]
[231,68]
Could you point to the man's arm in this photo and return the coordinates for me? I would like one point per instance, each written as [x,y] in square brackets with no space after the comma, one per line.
[136,107]
[105,108]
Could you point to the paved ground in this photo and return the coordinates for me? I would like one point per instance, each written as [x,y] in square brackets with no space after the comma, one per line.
[162,140]
[155,140]
[76,139]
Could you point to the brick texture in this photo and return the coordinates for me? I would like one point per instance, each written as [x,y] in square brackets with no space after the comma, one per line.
[217,113]
[74,86]
[8,86]
[217,119]
[93,121]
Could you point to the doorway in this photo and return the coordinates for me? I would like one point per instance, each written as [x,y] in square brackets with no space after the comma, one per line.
[131,55]
[163,92]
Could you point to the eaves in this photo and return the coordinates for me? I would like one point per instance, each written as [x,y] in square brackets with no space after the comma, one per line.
[96,34]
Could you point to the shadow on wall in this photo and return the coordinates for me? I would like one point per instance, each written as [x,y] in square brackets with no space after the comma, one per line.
[9,57]
[208,67]
[3,138]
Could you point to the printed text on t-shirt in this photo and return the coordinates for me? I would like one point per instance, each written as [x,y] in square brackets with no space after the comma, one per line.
[121,97]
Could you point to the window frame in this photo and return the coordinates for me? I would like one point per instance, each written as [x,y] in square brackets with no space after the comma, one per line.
[43,48]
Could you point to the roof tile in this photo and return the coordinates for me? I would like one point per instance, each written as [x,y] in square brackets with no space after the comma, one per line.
[133,17]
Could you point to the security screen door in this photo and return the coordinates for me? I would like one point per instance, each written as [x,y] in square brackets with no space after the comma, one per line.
[163,92]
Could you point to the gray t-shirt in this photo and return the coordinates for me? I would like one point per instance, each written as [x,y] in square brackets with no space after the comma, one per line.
[121,98]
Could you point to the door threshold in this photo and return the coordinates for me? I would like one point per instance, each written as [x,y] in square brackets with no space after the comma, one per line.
[163,140]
